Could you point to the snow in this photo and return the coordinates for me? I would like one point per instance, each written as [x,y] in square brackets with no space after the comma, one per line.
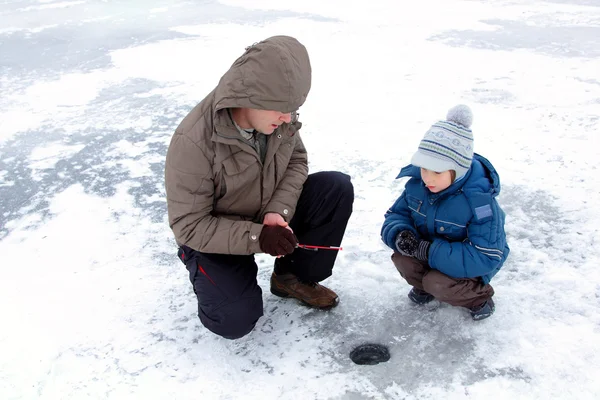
[94,301]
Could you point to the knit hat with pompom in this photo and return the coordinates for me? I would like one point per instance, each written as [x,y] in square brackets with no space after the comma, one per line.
[448,145]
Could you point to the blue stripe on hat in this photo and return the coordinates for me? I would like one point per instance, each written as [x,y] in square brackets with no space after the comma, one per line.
[457,133]
[458,126]
[447,148]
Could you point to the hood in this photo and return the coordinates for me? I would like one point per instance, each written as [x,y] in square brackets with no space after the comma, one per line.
[483,177]
[274,74]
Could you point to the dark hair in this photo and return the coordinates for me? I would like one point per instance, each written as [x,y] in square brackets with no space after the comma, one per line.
[453,175]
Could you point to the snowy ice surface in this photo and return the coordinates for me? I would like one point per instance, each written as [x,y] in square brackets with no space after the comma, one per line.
[95,304]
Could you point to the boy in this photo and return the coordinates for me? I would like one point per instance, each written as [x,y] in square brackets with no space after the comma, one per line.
[446,229]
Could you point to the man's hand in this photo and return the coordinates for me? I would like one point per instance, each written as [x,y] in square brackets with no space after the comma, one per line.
[277,240]
[274,219]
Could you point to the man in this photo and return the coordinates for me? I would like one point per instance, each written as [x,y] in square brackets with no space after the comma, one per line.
[237,184]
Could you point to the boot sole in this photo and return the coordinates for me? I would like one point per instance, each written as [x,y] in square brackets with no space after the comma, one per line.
[480,317]
[285,294]
[278,293]
[420,303]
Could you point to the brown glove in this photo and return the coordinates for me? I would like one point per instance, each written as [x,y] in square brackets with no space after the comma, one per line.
[277,240]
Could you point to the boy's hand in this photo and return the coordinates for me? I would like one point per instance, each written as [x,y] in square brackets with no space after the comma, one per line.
[408,245]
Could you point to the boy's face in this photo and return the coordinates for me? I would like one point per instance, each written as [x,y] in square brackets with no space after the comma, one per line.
[436,181]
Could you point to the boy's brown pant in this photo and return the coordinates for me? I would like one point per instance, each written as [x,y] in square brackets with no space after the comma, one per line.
[462,292]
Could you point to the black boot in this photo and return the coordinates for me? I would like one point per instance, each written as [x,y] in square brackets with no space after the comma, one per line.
[483,311]
[419,296]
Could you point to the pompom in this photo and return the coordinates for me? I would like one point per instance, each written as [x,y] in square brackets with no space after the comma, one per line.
[461,115]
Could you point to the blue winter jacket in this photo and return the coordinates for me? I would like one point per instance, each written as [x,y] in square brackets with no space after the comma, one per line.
[464,222]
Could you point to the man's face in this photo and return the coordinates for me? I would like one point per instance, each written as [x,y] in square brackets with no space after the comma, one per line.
[436,181]
[266,121]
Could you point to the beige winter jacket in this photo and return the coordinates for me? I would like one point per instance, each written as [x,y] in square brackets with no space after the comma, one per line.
[218,190]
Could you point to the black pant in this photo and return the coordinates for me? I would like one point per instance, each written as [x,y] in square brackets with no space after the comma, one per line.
[229,298]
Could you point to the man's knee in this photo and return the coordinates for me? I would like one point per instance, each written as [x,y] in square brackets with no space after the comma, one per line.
[342,183]
[335,181]
[233,320]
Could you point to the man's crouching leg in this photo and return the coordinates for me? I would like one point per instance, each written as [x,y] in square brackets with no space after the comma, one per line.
[229,298]
[322,214]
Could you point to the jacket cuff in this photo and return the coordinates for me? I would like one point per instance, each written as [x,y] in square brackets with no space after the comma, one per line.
[431,253]
[279,208]
[422,252]
[253,235]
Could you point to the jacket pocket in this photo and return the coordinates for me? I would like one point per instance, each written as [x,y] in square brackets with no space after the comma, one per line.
[282,159]
[239,189]
[453,231]
[225,180]
[420,219]
[414,204]
[239,163]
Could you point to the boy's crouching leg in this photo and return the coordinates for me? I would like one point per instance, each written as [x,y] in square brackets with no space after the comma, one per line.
[464,292]
[411,269]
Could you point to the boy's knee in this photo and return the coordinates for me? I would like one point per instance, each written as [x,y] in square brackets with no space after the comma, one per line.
[437,284]
[406,265]
[233,320]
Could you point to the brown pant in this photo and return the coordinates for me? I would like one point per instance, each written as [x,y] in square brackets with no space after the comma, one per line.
[462,292]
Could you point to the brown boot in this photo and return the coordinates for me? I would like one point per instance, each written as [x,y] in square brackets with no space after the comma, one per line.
[311,294]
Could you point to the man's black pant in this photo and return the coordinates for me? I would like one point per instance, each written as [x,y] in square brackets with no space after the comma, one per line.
[229,298]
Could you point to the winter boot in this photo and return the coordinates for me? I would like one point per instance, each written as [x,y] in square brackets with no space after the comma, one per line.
[310,293]
[483,311]
[419,296]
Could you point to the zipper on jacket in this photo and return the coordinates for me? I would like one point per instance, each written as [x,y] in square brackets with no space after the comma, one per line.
[262,165]
[431,219]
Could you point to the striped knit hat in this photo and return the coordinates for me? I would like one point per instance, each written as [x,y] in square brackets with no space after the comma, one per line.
[448,145]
